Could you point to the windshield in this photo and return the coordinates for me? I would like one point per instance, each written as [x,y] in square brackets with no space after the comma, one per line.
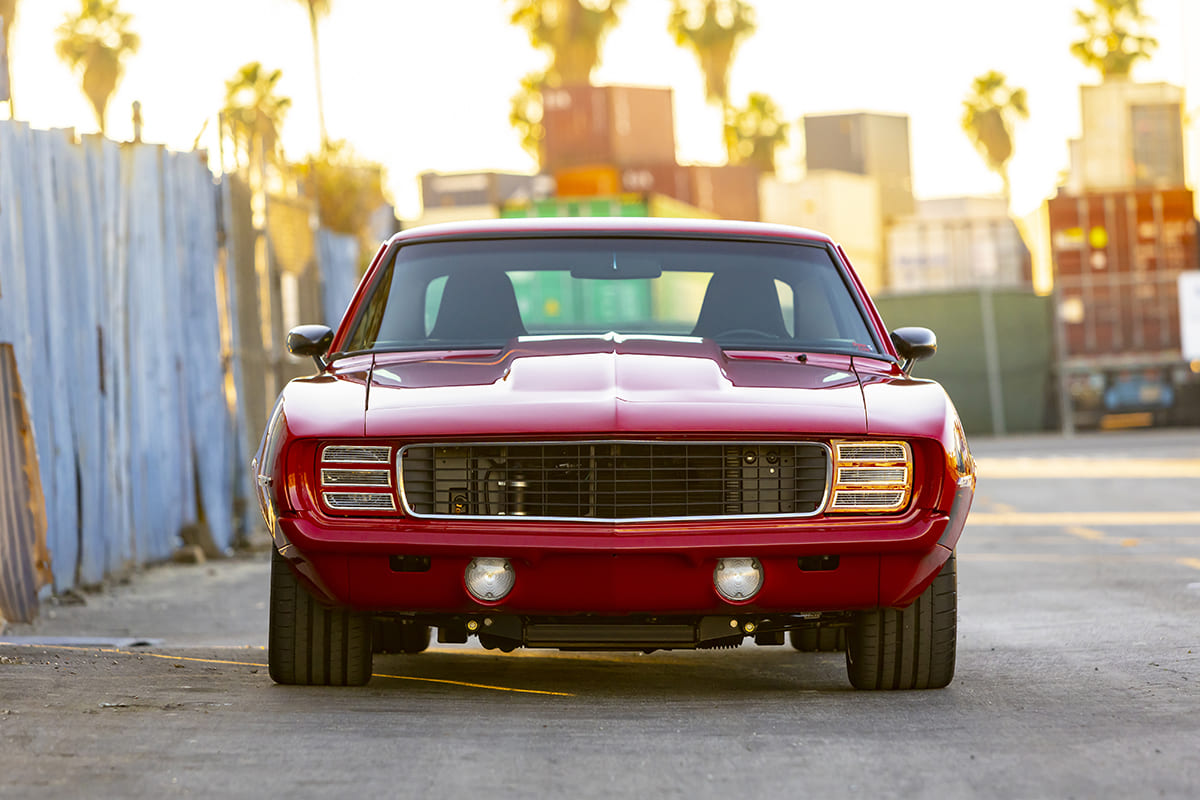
[484,293]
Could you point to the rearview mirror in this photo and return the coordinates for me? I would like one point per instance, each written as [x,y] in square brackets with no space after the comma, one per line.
[617,267]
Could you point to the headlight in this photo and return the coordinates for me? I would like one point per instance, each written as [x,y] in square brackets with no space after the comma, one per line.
[355,476]
[871,477]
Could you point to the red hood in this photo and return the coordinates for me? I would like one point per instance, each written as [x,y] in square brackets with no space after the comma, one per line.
[613,384]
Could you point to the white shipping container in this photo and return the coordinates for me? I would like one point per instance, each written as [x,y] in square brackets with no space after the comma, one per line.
[954,253]
[842,204]
[1106,156]
[432,216]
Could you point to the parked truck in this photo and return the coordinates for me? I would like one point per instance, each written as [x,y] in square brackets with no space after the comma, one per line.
[1118,257]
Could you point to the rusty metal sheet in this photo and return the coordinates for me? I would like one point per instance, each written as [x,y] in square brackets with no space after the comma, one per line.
[24,558]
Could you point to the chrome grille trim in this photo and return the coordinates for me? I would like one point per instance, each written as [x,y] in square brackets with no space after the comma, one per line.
[864,476]
[600,480]
[356,477]
[881,498]
[870,452]
[355,454]
[359,501]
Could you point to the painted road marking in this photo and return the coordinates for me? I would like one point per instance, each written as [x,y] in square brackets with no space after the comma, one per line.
[1079,558]
[1052,538]
[1009,468]
[264,666]
[1083,519]
[1091,534]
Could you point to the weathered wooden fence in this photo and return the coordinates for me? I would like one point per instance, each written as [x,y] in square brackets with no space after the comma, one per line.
[132,327]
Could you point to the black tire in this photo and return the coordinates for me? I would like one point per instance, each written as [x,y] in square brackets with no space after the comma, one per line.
[310,644]
[912,648]
[399,636]
[819,639]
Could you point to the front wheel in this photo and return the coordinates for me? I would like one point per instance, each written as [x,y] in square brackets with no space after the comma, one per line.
[311,644]
[911,648]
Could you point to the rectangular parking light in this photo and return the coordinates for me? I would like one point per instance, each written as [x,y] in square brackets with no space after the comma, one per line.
[870,477]
[366,467]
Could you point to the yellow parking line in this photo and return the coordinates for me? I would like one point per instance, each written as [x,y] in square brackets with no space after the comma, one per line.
[1007,468]
[473,685]
[1083,519]
[1090,534]
[253,664]
[1110,557]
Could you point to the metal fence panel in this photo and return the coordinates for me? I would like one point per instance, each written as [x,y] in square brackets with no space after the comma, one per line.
[132,301]
[338,256]
[24,562]
[108,304]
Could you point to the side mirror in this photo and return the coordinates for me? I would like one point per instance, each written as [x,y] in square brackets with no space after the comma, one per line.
[310,340]
[914,344]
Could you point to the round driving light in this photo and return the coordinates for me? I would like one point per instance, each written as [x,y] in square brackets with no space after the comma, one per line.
[738,578]
[490,579]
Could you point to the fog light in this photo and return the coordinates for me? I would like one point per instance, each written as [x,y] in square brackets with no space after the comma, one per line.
[490,579]
[738,578]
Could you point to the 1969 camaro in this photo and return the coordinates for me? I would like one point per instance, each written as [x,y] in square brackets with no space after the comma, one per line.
[613,434]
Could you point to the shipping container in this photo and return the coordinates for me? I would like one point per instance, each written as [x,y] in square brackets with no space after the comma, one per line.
[842,204]
[629,204]
[1117,260]
[587,181]
[865,143]
[664,178]
[439,190]
[1132,136]
[933,254]
[729,192]
[615,125]
[433,216]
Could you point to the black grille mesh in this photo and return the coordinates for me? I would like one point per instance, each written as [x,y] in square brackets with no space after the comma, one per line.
[615,480]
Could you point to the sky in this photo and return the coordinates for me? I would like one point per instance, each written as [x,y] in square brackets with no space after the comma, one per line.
[425,84]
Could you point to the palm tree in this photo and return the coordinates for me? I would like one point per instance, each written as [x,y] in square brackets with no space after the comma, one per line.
[989,113]
[8,12]
[752,133]
[1113,41]
[712,29]
[96,41]
[572,31]
[525,113]
[316,10]
[254,112]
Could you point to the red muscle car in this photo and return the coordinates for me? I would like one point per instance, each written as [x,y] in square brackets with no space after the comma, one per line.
[613,434]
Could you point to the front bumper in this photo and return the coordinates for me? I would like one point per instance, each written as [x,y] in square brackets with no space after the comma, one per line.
[563,570]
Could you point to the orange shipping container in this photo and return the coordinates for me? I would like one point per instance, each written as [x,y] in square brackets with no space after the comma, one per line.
[587,181]
[618,125]
[730,192]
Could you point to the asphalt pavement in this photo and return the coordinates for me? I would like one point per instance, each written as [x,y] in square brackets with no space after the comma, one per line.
[1078,676]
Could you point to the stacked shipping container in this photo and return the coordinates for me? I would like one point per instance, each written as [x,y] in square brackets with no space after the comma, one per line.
[1118,256]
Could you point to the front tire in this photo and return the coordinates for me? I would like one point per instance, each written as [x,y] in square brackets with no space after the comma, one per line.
[911,648]
[310,644]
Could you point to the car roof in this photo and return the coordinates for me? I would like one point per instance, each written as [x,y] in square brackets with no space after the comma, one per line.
[540,226]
